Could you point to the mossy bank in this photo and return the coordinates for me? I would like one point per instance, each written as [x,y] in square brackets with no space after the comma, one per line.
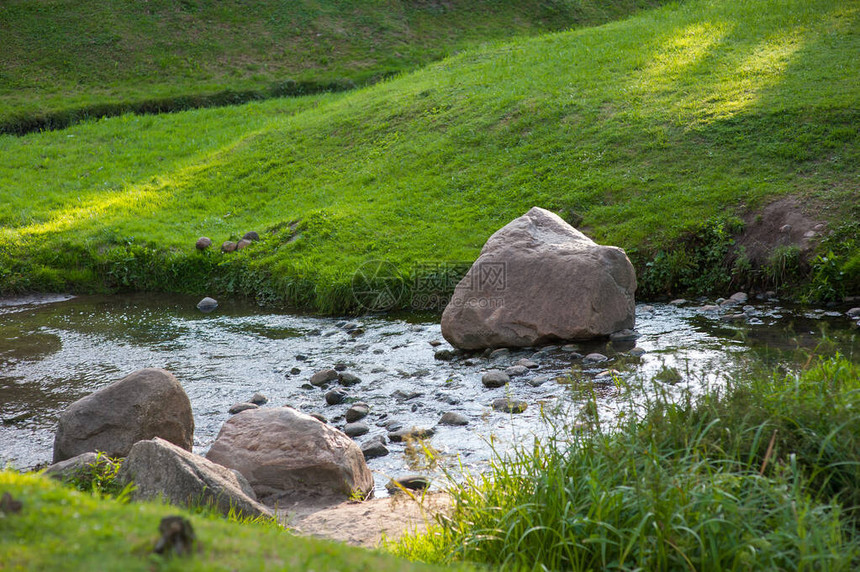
[666,134]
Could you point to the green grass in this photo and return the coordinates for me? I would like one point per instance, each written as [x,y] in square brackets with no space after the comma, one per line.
[762,476]
[62,529]
[62,60]
[657,132]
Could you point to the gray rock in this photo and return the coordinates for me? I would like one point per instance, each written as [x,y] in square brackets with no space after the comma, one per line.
[637,352]
[357,411]
[516,370]
[507,405]
[501,353]
[242,244]
[733,317]
[678,302]
[453,418]
[239,407]
[323,377]
[710,308]
[401,395]
[285,453]
[527,363]
[77,467]
[594,358]
[207,304]
[336,396]
[539,380]
[495,378]
[356,429]
[539,279]
[145,404]
[412,483]
[570,348]
[229,246]
[251,235]
[414,433]
[853,313]
[348,379]
[435,343]
[445,355]
[203,243]
[259,399]
[319,417]
[160,469]
[374,449]
[626,335]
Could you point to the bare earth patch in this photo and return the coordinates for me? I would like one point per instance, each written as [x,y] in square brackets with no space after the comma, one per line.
[783,222]
[364,523]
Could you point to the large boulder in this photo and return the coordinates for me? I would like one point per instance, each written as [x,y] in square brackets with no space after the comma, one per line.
[539,280]
[286,454]
[148,403]
[160,469]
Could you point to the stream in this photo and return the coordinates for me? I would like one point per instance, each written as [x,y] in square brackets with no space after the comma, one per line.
[55,349]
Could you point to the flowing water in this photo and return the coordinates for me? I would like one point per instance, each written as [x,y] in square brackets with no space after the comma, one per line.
[57,349]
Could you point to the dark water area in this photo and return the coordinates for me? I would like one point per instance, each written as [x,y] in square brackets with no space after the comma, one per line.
[57,349]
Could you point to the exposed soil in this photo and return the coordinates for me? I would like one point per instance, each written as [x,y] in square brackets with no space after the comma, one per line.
[784,222]
[365,523]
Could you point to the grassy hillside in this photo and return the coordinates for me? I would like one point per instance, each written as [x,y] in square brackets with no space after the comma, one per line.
[63,59]
[58,528]
[655,133]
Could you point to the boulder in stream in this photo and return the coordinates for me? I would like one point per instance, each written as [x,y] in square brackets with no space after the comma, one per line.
[145,404]
[537,280]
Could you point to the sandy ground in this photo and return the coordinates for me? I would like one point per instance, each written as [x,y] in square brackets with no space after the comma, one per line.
[364,523]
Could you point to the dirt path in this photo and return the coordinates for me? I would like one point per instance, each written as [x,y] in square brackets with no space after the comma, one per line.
[365,523]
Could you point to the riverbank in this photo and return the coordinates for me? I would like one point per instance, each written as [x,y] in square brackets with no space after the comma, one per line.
[713,142]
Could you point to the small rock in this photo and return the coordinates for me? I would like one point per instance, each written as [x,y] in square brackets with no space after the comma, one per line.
[785,229]
[259,399]
[678,302]
[412,483]
[625,335]
[373,449]
[538,381]
[301,357]
[336,396]
[853,313]
[445,355]
[391,425]
[710,308]
[357,411]
[495,378]
[527,363]
[414,433]
[637,352]
[435,343]
[453,418]
[229,246]
[323,377]
[509,405]
[350,326]
[500,353]
[242,244]
[251,235]
[733,317]
[401,395]
[833,314]
[239,407]
[207,304]
[356,429]
[570,348]
[203,243]
[646,308]
[594,358]
[378,369]
[809,234]
[516,370]
[295,371]
[319,417]
[340,367]
[348,379]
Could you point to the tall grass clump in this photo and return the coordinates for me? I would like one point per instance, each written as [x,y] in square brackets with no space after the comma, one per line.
[760,476]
